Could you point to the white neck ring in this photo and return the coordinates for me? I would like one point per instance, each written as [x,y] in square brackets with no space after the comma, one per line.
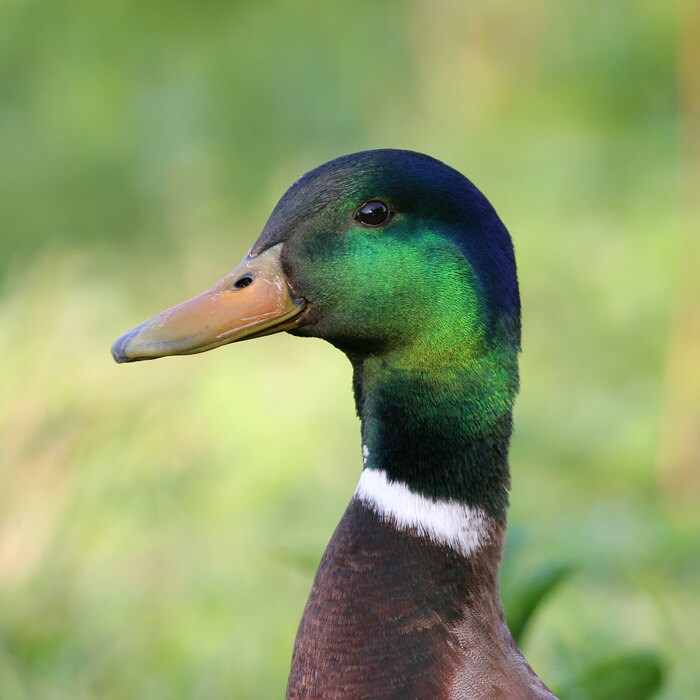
[444,522]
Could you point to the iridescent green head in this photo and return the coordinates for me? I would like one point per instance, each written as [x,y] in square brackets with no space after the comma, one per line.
[389,253]
[398,255]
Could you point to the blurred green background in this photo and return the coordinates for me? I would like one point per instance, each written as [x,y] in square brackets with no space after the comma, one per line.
[160,523]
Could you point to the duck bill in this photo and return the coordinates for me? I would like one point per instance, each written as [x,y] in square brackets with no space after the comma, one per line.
[253,300]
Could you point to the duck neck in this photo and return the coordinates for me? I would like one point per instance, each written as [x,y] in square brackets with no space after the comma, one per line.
[427,523]
[442,432]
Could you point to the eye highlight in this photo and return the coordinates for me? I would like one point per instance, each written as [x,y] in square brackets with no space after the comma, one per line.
[373,213]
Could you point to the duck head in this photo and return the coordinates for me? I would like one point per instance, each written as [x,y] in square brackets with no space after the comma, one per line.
[384,253]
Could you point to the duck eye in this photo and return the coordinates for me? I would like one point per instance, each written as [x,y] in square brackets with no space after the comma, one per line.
[373,213]
[242,282]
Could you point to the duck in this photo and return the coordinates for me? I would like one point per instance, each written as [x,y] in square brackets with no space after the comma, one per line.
[400,262]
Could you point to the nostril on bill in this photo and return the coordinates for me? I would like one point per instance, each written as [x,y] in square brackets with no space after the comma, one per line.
[242,282]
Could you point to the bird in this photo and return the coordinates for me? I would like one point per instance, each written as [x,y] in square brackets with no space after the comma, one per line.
[399,261]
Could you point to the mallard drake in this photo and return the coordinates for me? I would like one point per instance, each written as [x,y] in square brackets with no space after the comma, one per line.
[402,263]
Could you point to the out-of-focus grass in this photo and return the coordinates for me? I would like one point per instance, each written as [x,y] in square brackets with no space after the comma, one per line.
[152,519]
[159,522]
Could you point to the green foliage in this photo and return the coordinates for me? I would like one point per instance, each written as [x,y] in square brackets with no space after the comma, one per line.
[530,594]
[631,676]
[636,675]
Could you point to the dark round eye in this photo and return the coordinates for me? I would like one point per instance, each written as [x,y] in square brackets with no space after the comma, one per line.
[373,213]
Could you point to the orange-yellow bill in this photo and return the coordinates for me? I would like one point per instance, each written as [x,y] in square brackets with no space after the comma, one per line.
[253,300]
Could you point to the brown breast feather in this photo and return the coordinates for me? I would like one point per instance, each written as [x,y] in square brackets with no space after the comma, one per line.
[393,616]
